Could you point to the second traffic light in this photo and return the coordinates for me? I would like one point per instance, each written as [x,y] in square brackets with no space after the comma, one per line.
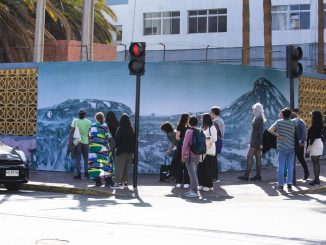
[137,58]
[293,56]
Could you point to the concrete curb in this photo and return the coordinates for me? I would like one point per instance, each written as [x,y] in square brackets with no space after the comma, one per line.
[315,190]
[66,190]
[99,193]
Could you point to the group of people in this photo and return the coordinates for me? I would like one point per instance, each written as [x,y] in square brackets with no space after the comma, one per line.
[289,134]
[184,164]
[107,148]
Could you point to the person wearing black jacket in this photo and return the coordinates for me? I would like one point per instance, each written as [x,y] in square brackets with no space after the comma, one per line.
[124,149]
[315,144]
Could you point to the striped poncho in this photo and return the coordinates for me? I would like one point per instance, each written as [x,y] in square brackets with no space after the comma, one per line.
[100,162]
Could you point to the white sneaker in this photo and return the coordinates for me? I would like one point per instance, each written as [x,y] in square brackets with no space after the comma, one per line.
[186,186]
[178,185]
[191,194]
[200,187]
[207,189]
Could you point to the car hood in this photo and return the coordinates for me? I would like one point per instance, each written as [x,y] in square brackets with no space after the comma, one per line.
[8,153]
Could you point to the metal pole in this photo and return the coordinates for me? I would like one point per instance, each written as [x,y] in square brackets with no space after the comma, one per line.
[87,31]
[135,174]
[39,31]
[163,50]
[207,52]
[292,108]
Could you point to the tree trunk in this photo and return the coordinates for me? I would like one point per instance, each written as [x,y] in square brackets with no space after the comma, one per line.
[267,33]
[320,68]
[245,33]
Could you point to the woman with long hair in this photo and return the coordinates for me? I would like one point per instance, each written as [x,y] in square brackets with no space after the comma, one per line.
[125,148]
[208,161]
[112,123]
[99,163]
[315,144]
[182,176]
[256,143]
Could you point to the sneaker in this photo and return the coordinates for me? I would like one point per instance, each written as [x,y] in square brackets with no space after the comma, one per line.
[207,189]
[278,187]
[314,182]
[117,186]
[289,187]
[186,186]
[256,178]
[178,185]
[191,194]
[216,180]
[200,187]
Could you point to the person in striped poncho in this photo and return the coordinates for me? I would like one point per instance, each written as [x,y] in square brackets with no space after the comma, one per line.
[100,163]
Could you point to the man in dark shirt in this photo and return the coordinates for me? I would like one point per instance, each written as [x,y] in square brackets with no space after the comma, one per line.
[301,133]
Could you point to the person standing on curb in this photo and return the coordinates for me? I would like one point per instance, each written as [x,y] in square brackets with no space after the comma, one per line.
[315,144]
[220,127]
[125,148]
[301,131]
[80,147]
[256,143]
[191,159]
[284,130]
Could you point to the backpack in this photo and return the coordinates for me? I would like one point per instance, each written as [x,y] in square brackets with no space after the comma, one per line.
[198,142]
[219,141]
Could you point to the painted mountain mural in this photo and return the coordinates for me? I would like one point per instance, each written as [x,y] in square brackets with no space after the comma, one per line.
[54,123]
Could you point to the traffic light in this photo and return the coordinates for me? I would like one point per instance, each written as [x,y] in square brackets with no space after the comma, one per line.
[293,56]
[137,58]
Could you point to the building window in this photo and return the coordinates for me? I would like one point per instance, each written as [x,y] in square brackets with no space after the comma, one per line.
[118,35]
[211,20]
[291,17]
[162,23]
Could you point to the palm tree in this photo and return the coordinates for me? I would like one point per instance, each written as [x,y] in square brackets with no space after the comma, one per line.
[63,21]
[267,5]
[320,68]
[245,33]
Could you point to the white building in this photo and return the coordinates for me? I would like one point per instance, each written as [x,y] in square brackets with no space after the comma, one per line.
[212,29]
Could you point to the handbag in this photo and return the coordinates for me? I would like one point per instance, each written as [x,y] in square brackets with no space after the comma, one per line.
[165,170]
[76,139]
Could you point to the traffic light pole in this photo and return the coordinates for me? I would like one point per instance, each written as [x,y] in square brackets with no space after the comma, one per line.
[135,174]
[292,108]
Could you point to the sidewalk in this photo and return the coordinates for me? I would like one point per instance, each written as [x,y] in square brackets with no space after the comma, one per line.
[149,185]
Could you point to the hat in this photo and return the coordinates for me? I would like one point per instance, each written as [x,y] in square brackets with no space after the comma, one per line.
[82,111]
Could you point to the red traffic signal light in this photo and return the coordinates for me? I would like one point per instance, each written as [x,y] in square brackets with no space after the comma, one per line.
[293,56]
[137,58]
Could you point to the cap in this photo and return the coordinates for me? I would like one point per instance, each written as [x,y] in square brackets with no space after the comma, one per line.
[82,111]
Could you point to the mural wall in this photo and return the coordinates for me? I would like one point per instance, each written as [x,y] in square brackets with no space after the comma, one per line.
[167,90]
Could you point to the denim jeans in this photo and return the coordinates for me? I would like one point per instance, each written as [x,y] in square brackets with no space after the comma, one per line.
[285,161]
[192,171]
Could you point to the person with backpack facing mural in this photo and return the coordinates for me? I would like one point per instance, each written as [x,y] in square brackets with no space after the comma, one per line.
[79,140]
[220,127]
[256,143]
[182,176]
[194,145]
[207,161]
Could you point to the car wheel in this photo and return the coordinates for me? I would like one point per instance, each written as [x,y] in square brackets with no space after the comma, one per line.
[13,186]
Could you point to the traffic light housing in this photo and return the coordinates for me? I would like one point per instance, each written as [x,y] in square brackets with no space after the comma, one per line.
[293,56]
[137,58]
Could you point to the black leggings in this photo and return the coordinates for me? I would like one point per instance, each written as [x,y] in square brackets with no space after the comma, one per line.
[316,166]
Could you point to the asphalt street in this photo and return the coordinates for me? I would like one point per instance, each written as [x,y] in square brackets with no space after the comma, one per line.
[29,217]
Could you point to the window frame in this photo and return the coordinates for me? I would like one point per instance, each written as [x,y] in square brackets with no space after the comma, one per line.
[173,15]
[208,16]
[290,10]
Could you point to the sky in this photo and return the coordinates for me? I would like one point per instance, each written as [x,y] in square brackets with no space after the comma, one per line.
[166,88]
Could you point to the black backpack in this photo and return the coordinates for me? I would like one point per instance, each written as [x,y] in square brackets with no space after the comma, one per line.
[198,142]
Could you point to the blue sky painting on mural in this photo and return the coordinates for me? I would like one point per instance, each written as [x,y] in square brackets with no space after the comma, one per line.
[167,90]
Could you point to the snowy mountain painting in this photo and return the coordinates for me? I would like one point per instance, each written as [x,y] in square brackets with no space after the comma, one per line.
[167,90]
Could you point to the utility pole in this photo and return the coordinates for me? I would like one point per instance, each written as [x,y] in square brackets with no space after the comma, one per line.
[86,53]
[39,31]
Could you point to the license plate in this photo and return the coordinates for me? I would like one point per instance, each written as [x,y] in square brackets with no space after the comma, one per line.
[12,172]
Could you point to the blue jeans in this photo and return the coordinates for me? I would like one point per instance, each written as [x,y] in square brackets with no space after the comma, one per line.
[285,161]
